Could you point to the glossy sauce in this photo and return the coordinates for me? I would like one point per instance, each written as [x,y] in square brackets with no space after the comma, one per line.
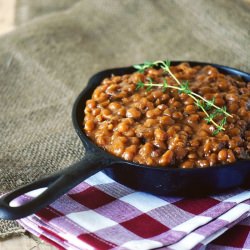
[167,129]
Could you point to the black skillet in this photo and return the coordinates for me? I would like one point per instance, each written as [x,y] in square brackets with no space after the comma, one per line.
[160,181]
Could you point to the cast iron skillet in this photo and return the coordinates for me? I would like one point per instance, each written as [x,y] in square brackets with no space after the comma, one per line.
[160,181]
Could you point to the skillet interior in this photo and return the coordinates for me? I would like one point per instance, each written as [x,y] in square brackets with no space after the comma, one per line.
[165,181]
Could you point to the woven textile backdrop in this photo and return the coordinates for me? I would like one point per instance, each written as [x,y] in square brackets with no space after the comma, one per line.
[48,59]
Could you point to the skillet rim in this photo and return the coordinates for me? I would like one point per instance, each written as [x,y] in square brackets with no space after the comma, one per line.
[87,142]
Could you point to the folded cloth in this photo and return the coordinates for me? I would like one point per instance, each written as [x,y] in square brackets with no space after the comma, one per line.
[236,238]
[102,214]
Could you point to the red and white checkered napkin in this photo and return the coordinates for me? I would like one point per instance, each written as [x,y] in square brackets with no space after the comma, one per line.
[103,214]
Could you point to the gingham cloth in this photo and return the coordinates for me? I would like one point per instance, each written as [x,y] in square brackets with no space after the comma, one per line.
[102,214]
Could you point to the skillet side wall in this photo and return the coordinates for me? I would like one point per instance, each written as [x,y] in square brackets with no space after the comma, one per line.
[165,181]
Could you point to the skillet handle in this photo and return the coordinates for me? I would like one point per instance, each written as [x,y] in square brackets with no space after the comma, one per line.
[57,185]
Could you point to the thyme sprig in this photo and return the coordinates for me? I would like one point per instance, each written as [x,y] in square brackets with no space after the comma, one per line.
[202,103]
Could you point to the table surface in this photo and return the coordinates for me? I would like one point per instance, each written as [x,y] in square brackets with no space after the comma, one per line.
[23,242]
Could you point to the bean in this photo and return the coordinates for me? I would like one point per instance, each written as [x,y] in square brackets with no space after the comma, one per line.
[171,131]
[149,161]
[194,118]
[133,112]
[89,125]
[162,107]
[114,106]
[96,111]
[223,85]
[129,133]
[160,144]
[231,97]
[189,101]
[188,129]
[106,113]
[160,134]
[164,97]
[167,112]
[122,127]
[234,132]
[192,156]
[134,140]
[222,155]
[91,104]
[137,77]
[153,113]
[194,143]
[121,111]
[166,158]
[117,79]
[118,148]
[212,159]
[157,94]
[180,151]
[219,101]
[110,127]
[203,133]
[190,109]
[187,164]
[130,152]
[99,118]
[150,123]
[101,140]
[146,149]
[230,156]
[203,163]
[177,104]
[177,116]
[153,72]
[166,120]
[136,98]
[102,97]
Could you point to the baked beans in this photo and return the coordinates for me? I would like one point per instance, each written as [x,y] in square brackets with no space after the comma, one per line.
[166,128]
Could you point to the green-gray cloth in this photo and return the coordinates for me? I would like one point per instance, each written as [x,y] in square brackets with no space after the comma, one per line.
[49,58]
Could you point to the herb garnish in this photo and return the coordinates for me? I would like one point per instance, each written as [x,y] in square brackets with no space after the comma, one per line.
[200,102]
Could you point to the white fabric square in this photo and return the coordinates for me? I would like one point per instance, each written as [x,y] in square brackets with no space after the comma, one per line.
[192,224]
[188,242]
[91,220]
[142,244]
[79,243]
[239,197]
[98,178]
[143,201]
[235,212]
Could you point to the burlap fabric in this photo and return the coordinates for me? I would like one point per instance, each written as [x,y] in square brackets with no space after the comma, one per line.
[46,62]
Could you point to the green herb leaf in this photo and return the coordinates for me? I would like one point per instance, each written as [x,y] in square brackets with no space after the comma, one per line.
[209,104]
[137,66]
[139,85]
[167,63]
[150,86]
[223,122]
[165,85]
[223,110]
[208,119]
[185,88]
[148,63]
[216,132]
[199,104]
